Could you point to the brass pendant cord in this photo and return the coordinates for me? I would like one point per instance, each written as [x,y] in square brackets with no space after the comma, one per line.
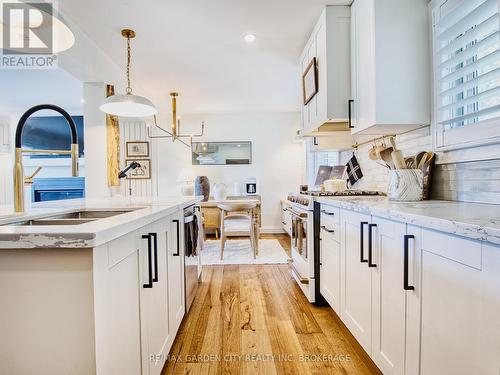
[128,89]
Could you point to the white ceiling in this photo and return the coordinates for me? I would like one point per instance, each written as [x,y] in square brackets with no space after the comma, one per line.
[196,47]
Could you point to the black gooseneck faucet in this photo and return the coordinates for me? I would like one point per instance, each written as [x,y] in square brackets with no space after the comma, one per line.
[18,167]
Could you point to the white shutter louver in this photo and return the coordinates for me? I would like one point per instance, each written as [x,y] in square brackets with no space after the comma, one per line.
[467,62]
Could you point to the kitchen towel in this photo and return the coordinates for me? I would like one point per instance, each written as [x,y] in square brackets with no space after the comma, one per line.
[191,237]
[353,171]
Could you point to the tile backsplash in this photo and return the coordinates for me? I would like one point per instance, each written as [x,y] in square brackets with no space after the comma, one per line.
[477,181]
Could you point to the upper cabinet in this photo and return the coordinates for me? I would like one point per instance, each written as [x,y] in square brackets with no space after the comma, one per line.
[325,68]
[390,65]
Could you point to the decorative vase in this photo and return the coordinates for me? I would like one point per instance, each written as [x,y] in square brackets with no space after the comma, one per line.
[405,185]
[220,192]
[202,187]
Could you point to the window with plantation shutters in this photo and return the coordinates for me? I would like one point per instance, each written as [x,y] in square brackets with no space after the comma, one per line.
[466,59]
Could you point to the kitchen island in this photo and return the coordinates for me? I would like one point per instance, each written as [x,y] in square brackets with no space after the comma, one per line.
[91,287]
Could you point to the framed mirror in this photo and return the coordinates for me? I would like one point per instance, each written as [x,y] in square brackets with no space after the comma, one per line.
[221,153]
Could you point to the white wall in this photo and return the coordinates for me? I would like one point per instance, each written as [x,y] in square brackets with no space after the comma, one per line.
[277,160]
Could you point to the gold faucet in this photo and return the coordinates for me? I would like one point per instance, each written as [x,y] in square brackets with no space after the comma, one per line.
[18,165]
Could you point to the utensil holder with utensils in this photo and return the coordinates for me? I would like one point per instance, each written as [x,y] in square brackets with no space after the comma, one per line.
[406,185]
[409,177]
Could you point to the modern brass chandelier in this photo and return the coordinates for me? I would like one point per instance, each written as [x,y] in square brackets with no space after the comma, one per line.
[174,132]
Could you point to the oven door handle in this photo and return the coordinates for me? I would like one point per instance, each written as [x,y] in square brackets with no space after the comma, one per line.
[296,214]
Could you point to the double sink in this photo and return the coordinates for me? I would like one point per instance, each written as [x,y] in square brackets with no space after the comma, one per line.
[73,218]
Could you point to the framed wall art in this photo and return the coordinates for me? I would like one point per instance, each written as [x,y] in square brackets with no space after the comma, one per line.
[141,173]
[137,149]
[310,81]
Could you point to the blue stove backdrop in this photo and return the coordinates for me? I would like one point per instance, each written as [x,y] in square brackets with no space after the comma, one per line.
[51,189]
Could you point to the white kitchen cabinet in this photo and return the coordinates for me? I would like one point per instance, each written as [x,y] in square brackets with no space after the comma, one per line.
[137,317]
[116,302]
[157,333]
[356,281]
[330,269]
[418,301]
[386,245]
[455,309]
[329,44]
[175,254]
[390,69]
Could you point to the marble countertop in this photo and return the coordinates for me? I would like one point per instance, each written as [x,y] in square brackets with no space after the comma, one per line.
[472,220]
[87,235]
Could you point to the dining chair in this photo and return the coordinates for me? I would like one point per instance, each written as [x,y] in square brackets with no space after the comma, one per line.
[238,219]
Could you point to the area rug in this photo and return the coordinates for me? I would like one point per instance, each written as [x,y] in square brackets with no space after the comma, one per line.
[240,252]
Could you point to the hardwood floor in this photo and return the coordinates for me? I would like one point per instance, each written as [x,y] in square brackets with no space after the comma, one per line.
[254,319]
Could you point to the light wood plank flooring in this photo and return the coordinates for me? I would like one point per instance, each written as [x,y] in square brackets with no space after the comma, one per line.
[250,319]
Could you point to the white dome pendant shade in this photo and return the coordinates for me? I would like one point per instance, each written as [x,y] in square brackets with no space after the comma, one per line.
[128,105]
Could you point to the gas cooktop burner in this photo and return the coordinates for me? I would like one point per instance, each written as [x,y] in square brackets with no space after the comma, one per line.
[340,193]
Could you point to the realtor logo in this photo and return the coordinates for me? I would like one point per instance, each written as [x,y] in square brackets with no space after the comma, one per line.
[27,35]
[27,28]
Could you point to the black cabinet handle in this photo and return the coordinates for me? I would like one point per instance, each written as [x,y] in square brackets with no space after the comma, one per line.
[362,242]
[328,213]
[351,102]
[327,230]
[155,257]
[406,286]
[315,141]
[149,284]
[178,238]
[370,245]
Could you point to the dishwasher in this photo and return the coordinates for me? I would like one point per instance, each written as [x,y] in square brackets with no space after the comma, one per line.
[192,248]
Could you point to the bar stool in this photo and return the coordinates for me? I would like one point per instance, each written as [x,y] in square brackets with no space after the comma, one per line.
[237,219]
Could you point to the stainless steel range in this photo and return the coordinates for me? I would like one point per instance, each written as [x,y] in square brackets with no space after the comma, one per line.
[305,238]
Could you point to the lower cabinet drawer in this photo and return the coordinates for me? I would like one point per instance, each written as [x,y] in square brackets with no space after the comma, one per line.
[330,228]
[459,249]
[330,213]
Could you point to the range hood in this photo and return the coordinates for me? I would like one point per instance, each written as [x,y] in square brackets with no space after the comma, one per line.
[340,125]
[332,135]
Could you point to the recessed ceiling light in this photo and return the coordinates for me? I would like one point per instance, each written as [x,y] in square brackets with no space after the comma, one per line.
[250,38]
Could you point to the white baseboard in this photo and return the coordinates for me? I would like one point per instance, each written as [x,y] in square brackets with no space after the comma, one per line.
[272,230]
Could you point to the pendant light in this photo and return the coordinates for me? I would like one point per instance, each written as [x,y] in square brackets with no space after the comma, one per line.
[128,105]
